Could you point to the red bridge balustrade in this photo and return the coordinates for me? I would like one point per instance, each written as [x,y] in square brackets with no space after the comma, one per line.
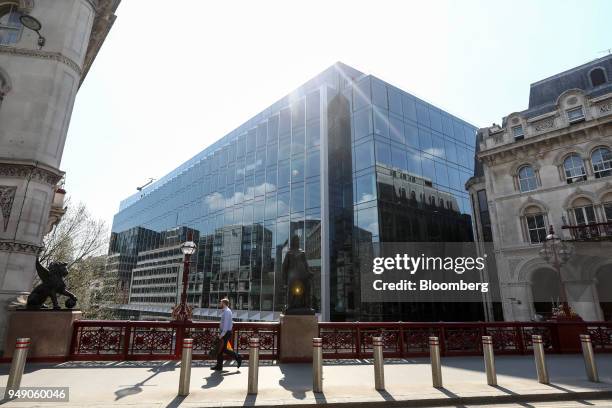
[354,340]
[148,340]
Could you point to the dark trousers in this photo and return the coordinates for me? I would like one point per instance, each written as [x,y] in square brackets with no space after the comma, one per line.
[224,350]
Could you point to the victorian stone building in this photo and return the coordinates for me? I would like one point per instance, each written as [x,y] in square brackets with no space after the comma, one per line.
[551,166]
[46,49]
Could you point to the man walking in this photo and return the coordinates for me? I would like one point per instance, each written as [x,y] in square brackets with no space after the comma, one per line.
[225,334]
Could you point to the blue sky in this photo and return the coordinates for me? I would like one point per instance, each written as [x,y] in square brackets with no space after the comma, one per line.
[169,82]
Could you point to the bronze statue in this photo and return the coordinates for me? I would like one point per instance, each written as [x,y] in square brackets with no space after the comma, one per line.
[298,280]
[52,285]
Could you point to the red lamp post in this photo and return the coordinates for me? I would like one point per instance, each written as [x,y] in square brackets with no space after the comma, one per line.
[183,312]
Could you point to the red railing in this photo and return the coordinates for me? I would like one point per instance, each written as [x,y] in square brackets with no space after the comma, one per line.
[590,232]
[354,340]
[147,340]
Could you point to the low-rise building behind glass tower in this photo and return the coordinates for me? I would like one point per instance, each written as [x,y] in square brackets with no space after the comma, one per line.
[345,159]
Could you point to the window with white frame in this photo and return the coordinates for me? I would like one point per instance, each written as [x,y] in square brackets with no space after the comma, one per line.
[536,227]
[602,162]
[527,179]
[573,168]
[10,26]
[584,215]
[575,114]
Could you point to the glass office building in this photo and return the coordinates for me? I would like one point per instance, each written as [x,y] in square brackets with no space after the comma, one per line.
[343,160]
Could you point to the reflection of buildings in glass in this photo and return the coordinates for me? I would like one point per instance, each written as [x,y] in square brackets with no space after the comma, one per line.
[156,278]
[335,162]
[404,187]
[123,256]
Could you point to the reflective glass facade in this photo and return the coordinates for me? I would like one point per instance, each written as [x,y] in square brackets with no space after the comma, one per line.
[345,159]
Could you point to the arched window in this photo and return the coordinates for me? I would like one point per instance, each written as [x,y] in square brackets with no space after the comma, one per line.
[573,167]
[10,26]
[583,211]
[412,195]
[602,162]
[597,76]
[583,214]
[527,179]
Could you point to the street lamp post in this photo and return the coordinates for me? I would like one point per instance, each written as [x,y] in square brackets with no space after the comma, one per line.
[557,253]
[183,312]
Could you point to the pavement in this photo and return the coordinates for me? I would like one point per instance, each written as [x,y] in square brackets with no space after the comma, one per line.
[346,383]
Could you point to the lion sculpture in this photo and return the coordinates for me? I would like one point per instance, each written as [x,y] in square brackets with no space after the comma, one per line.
[52,285]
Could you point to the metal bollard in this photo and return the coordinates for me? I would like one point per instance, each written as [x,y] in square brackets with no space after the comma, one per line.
[185,376]
[379,364]
[489,359]
[540,361]
[253,365]
[436,365]
[17,365]
[589,358]
[317,364]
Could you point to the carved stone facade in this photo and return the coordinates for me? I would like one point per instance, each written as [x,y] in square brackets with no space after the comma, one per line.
[38,86]
[550,165]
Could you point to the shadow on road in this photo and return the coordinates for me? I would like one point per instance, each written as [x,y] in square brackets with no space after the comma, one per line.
[296,378]
[137,388]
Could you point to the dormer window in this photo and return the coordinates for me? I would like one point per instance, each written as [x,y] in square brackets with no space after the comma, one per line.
[575,114]
[10,26]
[518,132]
[597,76]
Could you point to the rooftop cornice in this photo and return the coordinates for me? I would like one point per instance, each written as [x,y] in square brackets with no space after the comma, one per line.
[543,140]
[103,22]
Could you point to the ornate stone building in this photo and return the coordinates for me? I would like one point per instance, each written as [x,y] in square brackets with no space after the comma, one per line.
[551,165]
[40,74]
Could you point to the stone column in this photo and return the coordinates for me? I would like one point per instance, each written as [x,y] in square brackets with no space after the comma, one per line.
[26,192]
[38,88]
[583,298]
[517,302]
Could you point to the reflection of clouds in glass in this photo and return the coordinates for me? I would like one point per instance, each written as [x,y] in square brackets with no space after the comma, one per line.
[216,201]
[260,189]
[368,220]
[434,151]
[283,208]
[295,172]
[373,228]
[366,197]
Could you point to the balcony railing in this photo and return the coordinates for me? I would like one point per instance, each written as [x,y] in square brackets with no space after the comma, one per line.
[590,232]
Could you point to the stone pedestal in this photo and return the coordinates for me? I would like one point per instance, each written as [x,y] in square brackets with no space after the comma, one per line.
[569,330]
[50,332]
[296,334]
